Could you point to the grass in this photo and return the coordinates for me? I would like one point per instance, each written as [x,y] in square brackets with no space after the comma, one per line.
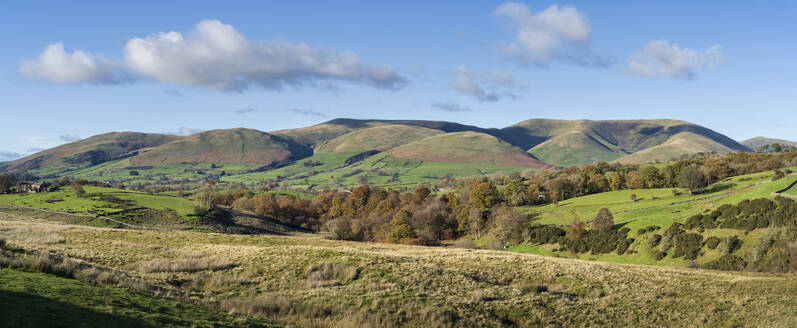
[65,200]
[655,207]
[40,300]
[325,283]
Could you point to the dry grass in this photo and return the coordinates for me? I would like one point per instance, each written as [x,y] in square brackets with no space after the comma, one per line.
[184,265]
[324,283]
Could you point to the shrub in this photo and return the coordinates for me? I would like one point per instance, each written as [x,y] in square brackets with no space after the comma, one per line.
[726,263]
[654,240]
[658,255]
[729,245]
[2,243]
[603,221]
[713,242]
[546,234]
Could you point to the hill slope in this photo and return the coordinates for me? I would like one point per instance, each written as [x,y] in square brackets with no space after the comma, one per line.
[472,147]
[92,151]
[226,146]
[582,142]
[756,142]
[684,143]
[381,138]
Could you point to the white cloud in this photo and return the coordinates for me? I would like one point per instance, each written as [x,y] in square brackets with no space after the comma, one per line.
[69,137]
[450,106]
[486,86]
[307,112]
[214,55]
[554,34]
[57,66]
[184,131]
[7,156]
[662,58]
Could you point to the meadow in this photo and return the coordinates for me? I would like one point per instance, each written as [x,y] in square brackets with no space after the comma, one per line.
[316,282]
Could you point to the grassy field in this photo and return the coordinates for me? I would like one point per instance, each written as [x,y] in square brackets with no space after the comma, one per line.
[376,170]
[119,172]
[92,204]
[40,300]
[655,207]
[316,282]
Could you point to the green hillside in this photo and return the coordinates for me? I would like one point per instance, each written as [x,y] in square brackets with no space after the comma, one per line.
[379,138]
[684,143]
[90,151]
[225,146]
[584,141]
[471,147]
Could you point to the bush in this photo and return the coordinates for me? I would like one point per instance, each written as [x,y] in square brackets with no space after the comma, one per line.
[658,255]
[654,241]
[730,245]
[726,263]
[713,242]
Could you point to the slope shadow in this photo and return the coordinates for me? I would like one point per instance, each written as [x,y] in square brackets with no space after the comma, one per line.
[28,310]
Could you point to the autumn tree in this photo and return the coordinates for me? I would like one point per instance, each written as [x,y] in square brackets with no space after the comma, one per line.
[204,199]
[598,183]
[691,178]
[400,228]
[510,225]
[603,221]
[652,177]
[615,180]
[575,230]
[484,195]
[633,180]
[78,190]
[515,193]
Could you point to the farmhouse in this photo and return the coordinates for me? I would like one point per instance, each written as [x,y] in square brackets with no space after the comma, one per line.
[27,186]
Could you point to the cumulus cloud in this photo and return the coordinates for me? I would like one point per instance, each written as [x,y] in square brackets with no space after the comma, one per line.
[55,65]
[307,112]
[6,156]
[554,34]
[486,86]
[216,56]
[450,106]
[245,111]
[69,137]
[662,58]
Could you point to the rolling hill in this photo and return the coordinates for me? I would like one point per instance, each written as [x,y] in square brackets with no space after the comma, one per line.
[683,143]
[91,151]
[225,146]
[472,147]
[382,137]
[581,142]
[755,143]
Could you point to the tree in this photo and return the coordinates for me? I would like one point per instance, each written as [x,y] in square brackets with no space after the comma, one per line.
[6,182]
[597,183]
[634,181]
[510,225]
[691,178]
[615,180]
[421,192]
[633,197]
[484,195]
[400,228]
[515,193]
[778,175]
[576,230]
[204,198]
[556,189]
[77,188]
[652,177]
[603,221]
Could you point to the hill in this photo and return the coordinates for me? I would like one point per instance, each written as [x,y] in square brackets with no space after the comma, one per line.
[382,137]
[581,142]
[226,146]
[472,147]
[317,134]
[91,151]
[755,143]
[684,143]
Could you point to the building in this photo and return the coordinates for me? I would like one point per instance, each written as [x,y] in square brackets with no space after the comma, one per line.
[26,186]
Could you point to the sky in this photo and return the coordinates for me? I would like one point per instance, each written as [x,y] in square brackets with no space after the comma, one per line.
[71,70]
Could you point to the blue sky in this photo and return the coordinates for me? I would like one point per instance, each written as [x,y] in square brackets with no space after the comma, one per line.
[72,70]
